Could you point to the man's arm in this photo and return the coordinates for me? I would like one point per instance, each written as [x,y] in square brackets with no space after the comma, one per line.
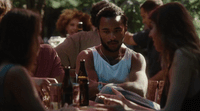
[137,81]
[137,39]
[67,52]
[57,69]
[128,39]
[92,75]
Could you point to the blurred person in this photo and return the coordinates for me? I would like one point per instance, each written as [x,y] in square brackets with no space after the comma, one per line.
[19,47]
[144,41]
[109,62]
[74,44]
[175,37]
[5,6]
[48,64]
[67,23]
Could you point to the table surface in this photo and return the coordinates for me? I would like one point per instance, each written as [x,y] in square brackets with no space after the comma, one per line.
[92,107]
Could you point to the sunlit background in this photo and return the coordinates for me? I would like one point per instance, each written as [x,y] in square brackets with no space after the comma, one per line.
[51,9]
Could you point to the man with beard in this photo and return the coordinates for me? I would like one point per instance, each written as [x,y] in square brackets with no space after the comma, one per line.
[109,62]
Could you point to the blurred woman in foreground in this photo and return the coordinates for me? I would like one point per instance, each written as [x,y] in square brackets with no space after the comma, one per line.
[5,6]
[19,30]
[175,37]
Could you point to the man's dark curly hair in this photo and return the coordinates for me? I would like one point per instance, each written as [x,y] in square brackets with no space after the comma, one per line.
[109,12]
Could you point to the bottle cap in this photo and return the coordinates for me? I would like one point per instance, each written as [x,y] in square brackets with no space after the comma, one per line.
[67,67]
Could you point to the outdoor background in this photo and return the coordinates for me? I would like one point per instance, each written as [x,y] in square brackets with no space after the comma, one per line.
[51,9]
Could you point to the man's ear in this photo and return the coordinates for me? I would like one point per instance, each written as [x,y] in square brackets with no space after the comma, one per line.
[98,31]
[126,27]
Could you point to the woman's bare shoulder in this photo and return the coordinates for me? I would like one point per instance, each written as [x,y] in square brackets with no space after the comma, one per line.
[18,72]
[185,54]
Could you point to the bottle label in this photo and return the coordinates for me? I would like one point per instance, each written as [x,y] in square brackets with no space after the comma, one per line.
[84,94]
[82,77]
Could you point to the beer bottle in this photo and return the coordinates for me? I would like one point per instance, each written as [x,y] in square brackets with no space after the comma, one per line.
[83,82]
[80,26]
[67,88]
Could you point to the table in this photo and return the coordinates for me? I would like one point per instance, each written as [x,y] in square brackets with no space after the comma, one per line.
[92,107]
[44,83]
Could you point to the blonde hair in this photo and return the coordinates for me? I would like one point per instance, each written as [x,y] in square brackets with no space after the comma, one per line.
[5,6]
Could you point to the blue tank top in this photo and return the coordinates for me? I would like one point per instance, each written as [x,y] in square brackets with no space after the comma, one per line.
[107,73]
[3,72]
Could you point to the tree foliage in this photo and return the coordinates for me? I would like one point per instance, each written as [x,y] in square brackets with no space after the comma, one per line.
[53,8]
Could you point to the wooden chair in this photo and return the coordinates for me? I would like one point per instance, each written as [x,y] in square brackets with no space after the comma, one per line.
[154,90]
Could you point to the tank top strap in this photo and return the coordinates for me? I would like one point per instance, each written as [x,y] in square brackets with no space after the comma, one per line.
[3,72]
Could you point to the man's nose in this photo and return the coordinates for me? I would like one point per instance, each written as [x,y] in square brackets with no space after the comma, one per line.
[112,36]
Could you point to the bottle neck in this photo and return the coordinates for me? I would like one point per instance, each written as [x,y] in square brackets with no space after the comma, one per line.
[82,71]
[67,78]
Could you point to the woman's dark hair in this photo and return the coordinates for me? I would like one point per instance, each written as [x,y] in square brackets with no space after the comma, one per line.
[19,29]
[176,29]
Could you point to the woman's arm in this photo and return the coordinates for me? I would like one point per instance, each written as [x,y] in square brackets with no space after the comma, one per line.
[23,90]
[119,100]
[180,72]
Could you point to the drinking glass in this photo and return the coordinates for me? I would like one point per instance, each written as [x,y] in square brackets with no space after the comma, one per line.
[76,94]
[55,96]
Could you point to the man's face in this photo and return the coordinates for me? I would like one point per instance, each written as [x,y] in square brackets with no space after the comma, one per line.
[111,32]
[145,17]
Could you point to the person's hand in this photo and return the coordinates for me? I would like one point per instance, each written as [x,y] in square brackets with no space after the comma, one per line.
[112,99]
[67,107]
[94,84]
[112,102]
[42,86]
[128,38]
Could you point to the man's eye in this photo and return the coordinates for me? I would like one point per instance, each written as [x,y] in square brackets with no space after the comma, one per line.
[71,24]
[106,32]
[118,30]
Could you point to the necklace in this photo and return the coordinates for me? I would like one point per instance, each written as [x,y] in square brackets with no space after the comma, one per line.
[105,56]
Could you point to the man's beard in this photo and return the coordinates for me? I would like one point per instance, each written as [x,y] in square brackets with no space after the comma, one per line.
[107,48]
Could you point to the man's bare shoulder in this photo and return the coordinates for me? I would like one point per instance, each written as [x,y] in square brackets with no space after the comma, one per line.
[87,52]
[137,57]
